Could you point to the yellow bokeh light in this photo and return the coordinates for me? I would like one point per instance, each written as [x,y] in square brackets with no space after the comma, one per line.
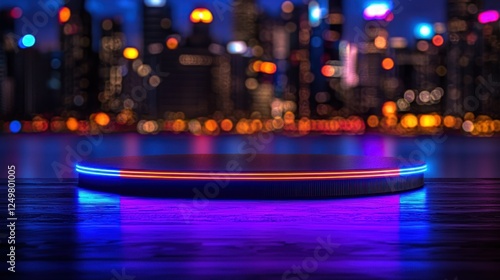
[101,119]
[409,121]
[201,15]
[130,53]
[427,121]
[380,42]
[72,124]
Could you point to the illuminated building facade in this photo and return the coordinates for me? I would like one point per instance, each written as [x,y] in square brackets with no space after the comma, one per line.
[245,16]
[79,71]
[111,65]
[157,26]
[463,50]
[188,84]
[7,55]
[488,88]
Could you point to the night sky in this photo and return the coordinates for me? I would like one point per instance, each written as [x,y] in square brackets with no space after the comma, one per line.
[412,12]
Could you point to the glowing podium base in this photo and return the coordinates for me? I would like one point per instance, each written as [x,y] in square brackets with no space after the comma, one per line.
[250,176]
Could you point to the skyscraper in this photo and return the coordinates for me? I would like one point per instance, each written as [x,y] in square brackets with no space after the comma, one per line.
[187,85]
[110,67]
[79,70]
[463,50]
[157,25]
[8,45]
[245,16]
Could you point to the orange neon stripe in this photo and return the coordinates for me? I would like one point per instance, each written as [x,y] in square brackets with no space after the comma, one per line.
[333,173]
[263,178]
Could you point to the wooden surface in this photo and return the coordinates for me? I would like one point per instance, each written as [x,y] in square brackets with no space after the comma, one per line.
[446,230]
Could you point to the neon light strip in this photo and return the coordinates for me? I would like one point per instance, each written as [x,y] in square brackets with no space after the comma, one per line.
[252,176]
[260,174]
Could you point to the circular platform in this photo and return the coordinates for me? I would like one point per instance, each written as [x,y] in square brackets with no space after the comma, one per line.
[250,176]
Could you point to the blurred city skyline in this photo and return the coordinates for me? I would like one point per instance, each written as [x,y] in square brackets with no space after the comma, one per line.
[317,65]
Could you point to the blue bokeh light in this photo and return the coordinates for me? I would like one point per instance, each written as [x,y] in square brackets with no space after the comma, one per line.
[27,41]
[314,13]
[15,126]
[155,3]
[424,31]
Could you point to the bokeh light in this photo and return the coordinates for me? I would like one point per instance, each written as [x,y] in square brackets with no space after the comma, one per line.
[130,53]
[268,67]
[102,119]
[237,47]
[16,13]
[488,16]
[201,15]
[328,70]
[378,10]
[27,41]
[438,40]
[387,63]
[72,124]
[424,31]
[172,43]
[64,14]
[15,126]
[389,108]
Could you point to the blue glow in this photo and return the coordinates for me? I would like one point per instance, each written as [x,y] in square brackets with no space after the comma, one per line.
[97,171]
[424,31]
[314,14]
[155,3]
[316,41]
[27,41]
[412,170]
[15,126]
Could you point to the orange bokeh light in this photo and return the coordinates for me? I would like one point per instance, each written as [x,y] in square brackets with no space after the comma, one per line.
[64,14]
[389,108]
[268,68]
[72,124]
[328,71]
[387,63]
[172,43]
[101,119]
[226,125]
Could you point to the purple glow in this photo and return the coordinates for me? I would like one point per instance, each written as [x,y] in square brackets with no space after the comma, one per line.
[376,11]
[488,16]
